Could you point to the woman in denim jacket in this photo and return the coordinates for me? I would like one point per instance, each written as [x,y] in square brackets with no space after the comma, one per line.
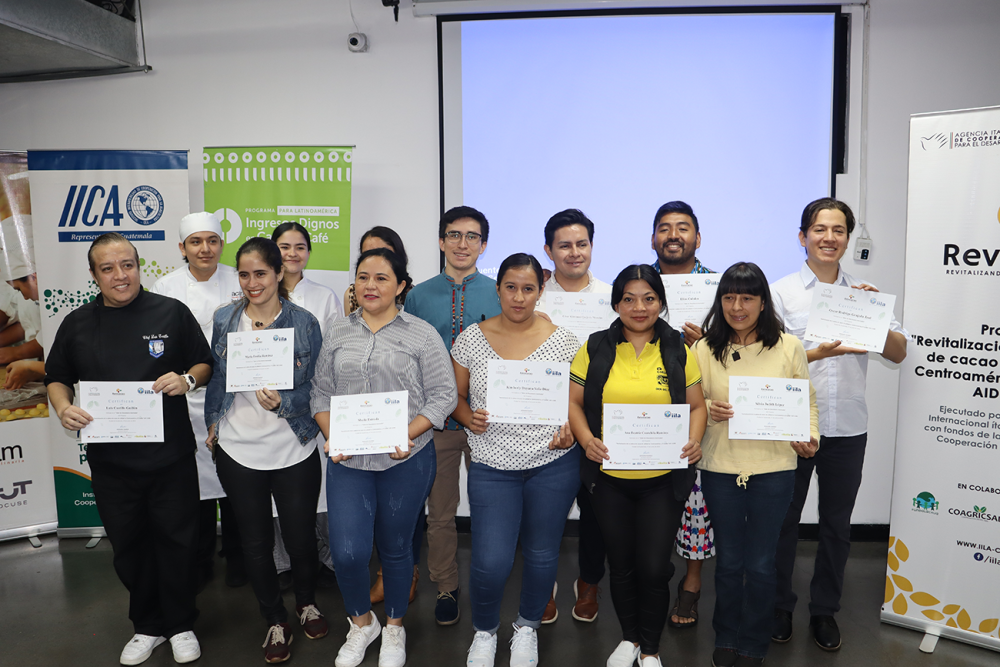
[265,445]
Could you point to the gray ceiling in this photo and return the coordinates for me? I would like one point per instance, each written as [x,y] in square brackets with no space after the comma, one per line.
[56,39]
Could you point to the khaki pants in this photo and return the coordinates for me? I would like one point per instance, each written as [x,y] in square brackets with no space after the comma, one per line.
[442,537]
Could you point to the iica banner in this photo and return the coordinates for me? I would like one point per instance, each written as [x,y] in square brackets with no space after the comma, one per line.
[76,196]
[943,572]
[27,499]
[255,189]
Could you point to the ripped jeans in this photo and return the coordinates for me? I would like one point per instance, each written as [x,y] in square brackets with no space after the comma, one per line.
[382,505]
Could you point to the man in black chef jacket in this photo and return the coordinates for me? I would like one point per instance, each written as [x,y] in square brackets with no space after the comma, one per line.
[146,493]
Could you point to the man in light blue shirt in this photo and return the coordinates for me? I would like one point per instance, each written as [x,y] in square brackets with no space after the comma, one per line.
[451,301]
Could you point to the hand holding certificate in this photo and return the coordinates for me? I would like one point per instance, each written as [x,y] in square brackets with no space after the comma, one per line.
[646,437]
[528,392]
[857,318]
[369,423]
[259,359]
[769,409]
[121,412]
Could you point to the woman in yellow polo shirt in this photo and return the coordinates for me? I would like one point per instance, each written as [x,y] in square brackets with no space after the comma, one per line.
[639,359]
[747,483]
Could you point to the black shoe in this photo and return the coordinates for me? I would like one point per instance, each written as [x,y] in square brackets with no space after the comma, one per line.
[236,574]
[327,578]
[724,657]
[747,661]
[782,630]
[285,580]
[446,608]
[825,632]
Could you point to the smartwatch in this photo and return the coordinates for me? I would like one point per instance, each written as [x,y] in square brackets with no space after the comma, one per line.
[190,382]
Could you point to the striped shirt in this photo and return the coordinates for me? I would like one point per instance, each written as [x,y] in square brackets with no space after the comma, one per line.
[406,354]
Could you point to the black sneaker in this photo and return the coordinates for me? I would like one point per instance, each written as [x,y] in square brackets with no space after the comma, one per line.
[781,631]
[446,608]
[724,657]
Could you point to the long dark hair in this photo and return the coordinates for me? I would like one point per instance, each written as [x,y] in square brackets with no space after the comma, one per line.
[642,272]
[268,251]
[741,278]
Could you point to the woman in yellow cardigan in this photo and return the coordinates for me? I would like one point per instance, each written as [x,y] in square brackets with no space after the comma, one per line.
[747,483]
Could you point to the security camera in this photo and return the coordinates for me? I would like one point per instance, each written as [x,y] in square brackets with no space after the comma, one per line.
[357,42]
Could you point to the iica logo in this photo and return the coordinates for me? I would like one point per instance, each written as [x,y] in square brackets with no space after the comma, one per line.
[144,205]
[235,223]
[84,201]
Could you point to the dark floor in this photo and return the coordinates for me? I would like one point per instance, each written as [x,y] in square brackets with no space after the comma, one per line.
[62,604]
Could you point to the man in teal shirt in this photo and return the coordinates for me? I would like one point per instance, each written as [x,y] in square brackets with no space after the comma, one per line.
[451,301]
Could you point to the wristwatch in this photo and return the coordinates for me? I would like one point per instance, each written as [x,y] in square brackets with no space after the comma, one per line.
[191,382]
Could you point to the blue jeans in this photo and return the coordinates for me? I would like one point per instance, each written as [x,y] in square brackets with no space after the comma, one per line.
[505,504]
[747,524]
[382,505]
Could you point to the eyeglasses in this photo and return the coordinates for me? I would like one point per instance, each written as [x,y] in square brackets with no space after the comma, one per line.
[454,237]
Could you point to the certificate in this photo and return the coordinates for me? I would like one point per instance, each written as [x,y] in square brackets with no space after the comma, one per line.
[857,318]
[369,423]
[258,359]
[769,409]
[122,412]
[689,297]
[527,392]
[583,313]
[646,437]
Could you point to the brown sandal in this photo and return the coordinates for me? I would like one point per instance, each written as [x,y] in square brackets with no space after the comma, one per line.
[686,606]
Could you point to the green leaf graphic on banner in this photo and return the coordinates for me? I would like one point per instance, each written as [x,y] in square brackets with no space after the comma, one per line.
[93,404]
[822,304]
[237,353]
[340,417]
[615,428]
[740,399]
[980,509]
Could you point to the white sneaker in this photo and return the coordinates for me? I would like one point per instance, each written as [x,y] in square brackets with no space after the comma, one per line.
[393,651]
[352,653]
[186,647]
[483,651]
[139,648]
[524,647]
[651,661]
[624,655]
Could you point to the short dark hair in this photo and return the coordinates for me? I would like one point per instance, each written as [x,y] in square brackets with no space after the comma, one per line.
[741,278]
[268,251]
[292,227]
[107,239]
[519,260]
[642,272]
[387,235]
[676,207]
[459,212]
[395,263]
[813,208]
[571,216]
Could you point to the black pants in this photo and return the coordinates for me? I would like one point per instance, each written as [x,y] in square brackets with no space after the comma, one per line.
[151,519]
[592,552]
[232,550]
[838,465]
[639,519]
[295,490]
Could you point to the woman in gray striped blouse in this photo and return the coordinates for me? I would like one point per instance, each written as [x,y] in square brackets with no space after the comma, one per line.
[379,348]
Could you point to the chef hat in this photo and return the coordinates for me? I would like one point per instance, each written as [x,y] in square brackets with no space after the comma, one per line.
[200,222]
[18,247]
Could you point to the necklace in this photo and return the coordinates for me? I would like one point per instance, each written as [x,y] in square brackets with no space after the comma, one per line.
[736,350]
[261,325]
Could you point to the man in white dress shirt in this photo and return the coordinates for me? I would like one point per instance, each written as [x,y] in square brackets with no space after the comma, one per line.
[839,375]
[569,242]
[203,285]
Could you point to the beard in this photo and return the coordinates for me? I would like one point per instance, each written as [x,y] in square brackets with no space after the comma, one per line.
[685,255]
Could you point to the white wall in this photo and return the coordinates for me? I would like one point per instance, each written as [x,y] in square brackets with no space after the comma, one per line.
[232,72]
[250,72]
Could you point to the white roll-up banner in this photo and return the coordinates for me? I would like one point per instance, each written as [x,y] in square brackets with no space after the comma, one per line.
[943,575]
[76,196]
